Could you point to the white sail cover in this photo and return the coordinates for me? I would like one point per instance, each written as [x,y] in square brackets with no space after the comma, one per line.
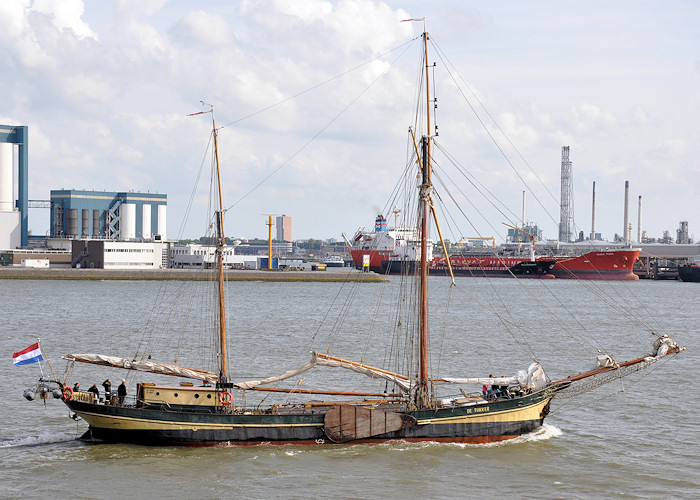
[144,366]
[534,378]
[662,345]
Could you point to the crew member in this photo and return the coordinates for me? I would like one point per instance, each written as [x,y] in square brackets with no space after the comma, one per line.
[107,384]
[95,391]
[121,392]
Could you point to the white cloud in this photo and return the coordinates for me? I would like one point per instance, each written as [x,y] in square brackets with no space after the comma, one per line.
[104,87]
[204,28]
[66,15]
[673,149]
[589,118]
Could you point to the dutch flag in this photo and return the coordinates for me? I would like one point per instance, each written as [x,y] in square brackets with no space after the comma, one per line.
[31,354]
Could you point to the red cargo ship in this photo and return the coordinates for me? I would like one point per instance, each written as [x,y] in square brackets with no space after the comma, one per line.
[393,251]
[373,248]
[613,264]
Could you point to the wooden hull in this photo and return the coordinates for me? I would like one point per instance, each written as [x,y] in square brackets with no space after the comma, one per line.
[483,423]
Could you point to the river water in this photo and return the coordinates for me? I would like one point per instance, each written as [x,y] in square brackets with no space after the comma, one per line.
[633,438]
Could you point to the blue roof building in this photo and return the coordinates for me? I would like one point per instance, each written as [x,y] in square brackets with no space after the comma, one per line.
[108,215]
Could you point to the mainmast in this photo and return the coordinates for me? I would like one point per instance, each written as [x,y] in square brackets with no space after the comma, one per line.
[220,244]
[423,394]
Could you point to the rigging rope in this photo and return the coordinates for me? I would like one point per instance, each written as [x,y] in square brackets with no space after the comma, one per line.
[318,134]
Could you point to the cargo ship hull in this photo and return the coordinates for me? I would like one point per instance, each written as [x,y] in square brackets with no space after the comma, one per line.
[690,273]
[608,265]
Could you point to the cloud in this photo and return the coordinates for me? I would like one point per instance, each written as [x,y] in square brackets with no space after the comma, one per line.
[203,28]
[105,86]
[65,15]
[588,118]
[672,149]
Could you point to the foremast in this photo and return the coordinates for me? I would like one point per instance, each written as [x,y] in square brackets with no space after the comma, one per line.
[220,244]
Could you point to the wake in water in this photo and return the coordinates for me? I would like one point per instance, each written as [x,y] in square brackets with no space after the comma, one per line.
[544,433]
[547,431]
[43,438]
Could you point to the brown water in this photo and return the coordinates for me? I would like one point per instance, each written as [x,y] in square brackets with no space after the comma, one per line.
[632,438]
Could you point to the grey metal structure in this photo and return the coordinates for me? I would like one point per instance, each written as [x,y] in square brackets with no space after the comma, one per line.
[683,237]
[566,212]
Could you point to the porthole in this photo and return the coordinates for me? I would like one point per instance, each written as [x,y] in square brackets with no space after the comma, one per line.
[157,393]
[175,394]
[196,396]
[209,396]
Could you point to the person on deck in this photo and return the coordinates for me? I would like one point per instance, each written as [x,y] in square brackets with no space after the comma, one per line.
[95,391]
[76,387]
[494,388]
[107,384]
[504,389]
[121,392]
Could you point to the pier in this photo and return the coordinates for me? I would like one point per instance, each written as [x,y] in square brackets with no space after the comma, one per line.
[188,275]
[660,261]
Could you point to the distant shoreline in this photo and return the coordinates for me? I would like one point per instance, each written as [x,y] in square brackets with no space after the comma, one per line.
[338,275]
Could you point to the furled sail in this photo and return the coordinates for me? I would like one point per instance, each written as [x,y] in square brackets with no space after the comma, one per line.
[608,370]
[144,366]
[318,359]
[534,379]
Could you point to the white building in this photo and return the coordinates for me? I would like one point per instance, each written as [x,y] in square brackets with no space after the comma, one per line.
[10,232]
[115,255]
[192,255]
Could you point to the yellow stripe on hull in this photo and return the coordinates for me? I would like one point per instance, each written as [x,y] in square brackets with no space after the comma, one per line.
[114,422]
[483,414]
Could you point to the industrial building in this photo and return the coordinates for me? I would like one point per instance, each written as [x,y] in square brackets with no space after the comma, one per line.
[118,255]
[13,215]
[125,216]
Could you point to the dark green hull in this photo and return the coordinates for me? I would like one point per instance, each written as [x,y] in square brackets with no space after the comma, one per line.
[483,423]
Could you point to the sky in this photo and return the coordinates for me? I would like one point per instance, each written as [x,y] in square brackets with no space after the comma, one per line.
[105,87]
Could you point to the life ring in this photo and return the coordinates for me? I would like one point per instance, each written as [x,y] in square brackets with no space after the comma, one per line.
[225,398]
[67,393]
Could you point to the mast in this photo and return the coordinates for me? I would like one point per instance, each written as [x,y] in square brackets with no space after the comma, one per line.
[220,243]
[423,394]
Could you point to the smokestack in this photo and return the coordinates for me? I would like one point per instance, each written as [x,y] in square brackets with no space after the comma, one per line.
[639,221]
[593,214]
[625,233]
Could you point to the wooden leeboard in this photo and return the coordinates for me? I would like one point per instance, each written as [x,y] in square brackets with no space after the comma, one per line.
[343,423]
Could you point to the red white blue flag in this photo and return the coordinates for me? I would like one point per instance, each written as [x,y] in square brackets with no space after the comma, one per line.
[31,354]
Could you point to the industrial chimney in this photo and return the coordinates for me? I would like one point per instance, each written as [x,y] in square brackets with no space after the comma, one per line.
[625,231]
[639,220]
[593,215]
[566,207]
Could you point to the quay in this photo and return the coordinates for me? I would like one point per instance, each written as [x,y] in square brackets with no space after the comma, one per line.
[187,275]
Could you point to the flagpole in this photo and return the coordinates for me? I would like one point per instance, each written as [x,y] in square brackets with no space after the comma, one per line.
[38,340]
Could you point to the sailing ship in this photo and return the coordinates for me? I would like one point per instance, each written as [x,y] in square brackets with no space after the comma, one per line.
[210,407]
